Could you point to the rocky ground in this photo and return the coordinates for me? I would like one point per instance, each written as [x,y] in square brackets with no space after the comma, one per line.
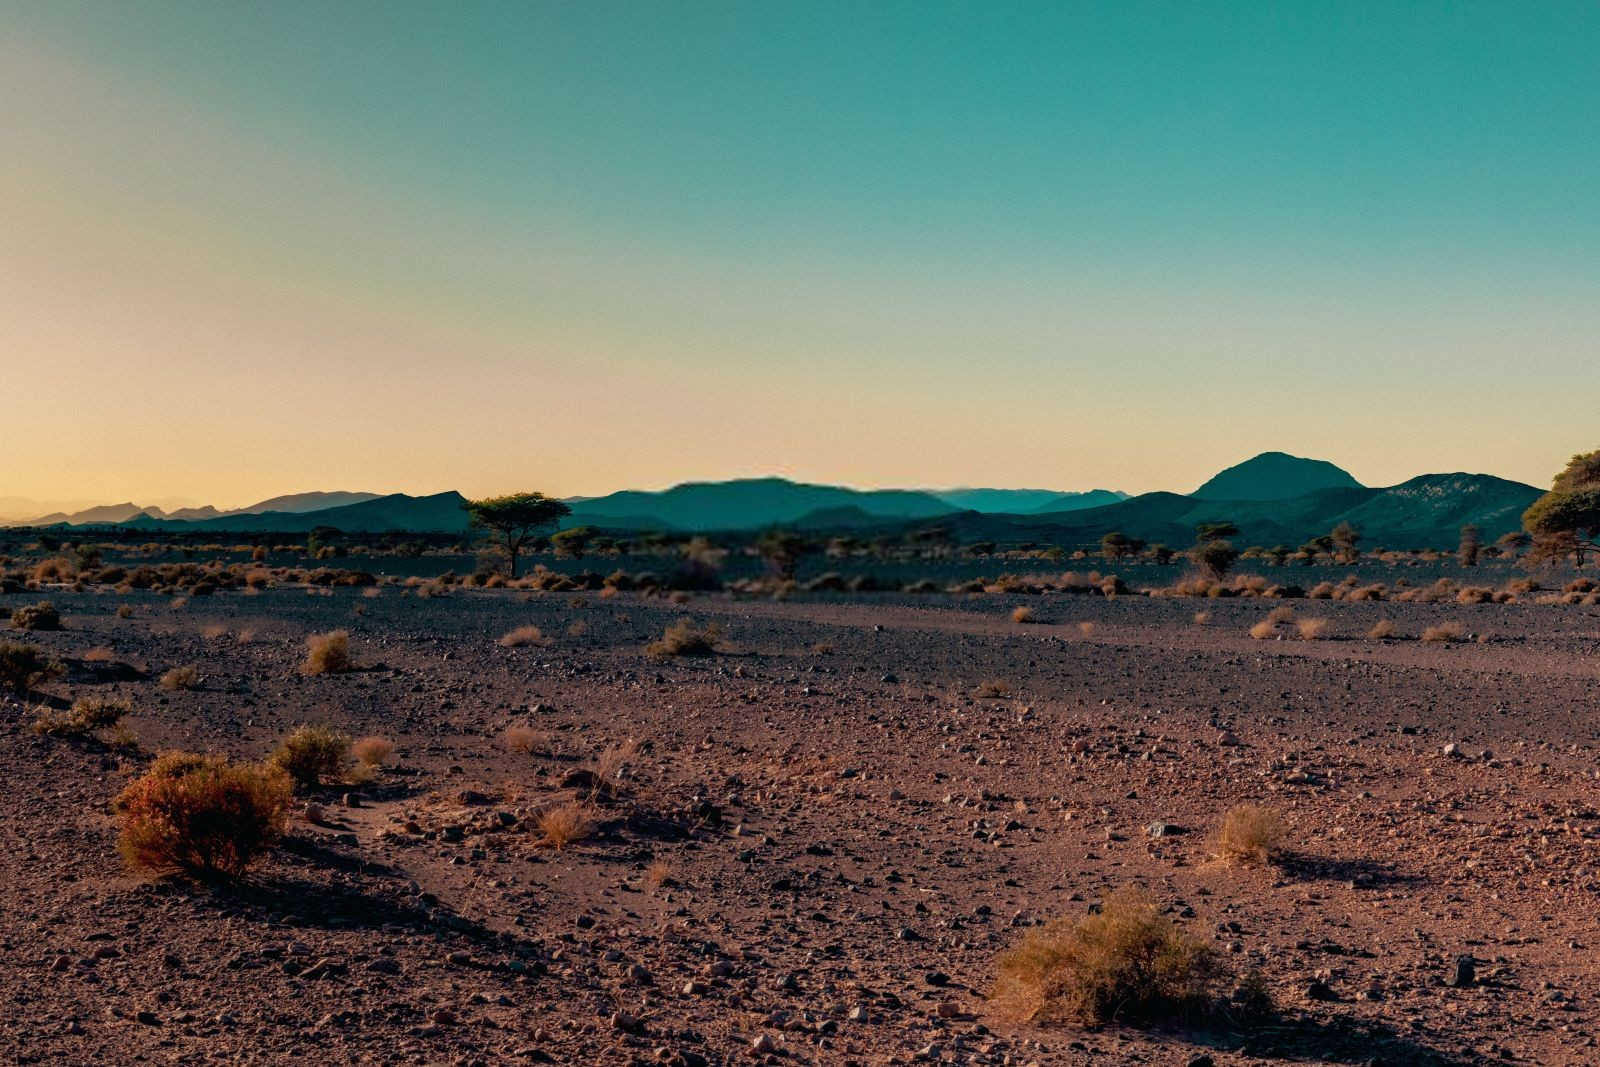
[811,846]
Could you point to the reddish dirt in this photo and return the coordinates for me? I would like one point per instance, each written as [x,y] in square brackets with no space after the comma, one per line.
[849,835]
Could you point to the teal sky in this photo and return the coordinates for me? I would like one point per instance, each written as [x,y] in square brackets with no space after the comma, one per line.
[581,247]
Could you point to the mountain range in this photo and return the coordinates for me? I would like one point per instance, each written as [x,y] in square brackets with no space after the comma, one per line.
[1273,498]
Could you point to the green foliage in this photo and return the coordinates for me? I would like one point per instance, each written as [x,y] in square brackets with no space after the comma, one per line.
[1217,557]
[515,519]
[1214,531]
[1567,518]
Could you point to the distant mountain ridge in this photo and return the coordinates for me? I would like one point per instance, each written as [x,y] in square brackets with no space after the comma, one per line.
[1280,499]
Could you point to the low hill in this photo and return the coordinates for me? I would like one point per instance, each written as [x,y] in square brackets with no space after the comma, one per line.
[1275,476]
[438,513]
[1023,501]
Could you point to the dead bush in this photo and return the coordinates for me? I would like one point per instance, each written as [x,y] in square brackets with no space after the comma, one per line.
[87,717]
[1444,633]
[180,678]
[523,739]
[565,824]
[373,751]
[522,635]
[992,689]
[1128,963]
[40,616]
[327,653]
[312,753]
[1381,629]
[1312,629]
[1250,835]
[1265,630]
[683,638]
[23,666]
[1023,614]
[201,815]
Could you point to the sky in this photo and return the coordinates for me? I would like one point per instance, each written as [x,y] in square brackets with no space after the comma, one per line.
[260,248]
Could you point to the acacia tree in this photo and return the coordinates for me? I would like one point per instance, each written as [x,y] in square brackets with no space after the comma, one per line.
[515,519]
[1346,541]
[1568,515]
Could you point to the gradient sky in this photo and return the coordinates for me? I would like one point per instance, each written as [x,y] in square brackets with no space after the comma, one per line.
[251,248]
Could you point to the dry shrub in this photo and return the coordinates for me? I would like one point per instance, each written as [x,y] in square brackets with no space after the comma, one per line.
[611,763]
[565,824]
[124,611]
[1250,835]
[1128,963]
[99,654]
[55,569]
[523,739]
[682,638]
[201,815]
[1086,628]
[1444,632]
[1202,618]
[1265,630]
[312,753]
[1282,613]
[522,635]
[86,717]
[1023,614]
[361,773]
[180,678]
[40,616]
[659,874]
[214,632]
[1381,629]
[1312,629]
[373,751]
[993,688]
[327,653]
[23,666]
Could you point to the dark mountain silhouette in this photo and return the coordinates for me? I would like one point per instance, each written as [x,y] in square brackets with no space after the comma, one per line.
[438,513]
[745,504]
[1024,501]
[1275,476]
[110,514]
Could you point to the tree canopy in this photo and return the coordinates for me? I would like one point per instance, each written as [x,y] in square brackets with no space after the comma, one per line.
[1569,514]
[515,518]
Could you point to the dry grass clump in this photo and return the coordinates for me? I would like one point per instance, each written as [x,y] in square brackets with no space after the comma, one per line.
[86,717]
[373,751]
[683,638]
[1250,835]
[565,824]
[522,635]
[993,689]
[1444,633]
[312,753]
[180,678]
[1202,618]
[23,666]
[1023,614]
[1312,629]
[611,764]
[124,611]
[99,654]
[201,815]
[327,653]
[1128,963]
[1381,629]
[523,739]
[1265,630]
[659,874]
[40,616]
[1086,628]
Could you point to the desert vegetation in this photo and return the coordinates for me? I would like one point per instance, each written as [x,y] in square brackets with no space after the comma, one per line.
[200,815]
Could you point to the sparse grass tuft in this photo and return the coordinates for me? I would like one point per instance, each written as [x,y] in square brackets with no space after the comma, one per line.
[1265,630]
[1381,629]
[1086,628]
[180,678]
[201,815]
[523,739]
[1250,835]
[327,653]
[1202,618]
[659,874]
[1128,963]
[373,751]
[1444,633]
[312,753]
[522,635]
[564,825]
[682,638]
[1023,614]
